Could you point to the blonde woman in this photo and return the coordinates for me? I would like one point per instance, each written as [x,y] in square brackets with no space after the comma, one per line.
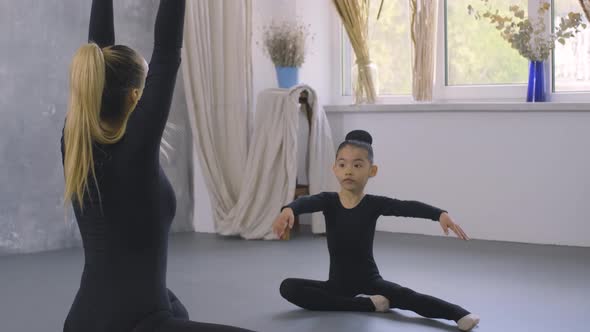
[121,197]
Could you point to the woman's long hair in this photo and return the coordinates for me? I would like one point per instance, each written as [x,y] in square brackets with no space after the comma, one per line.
[98,109]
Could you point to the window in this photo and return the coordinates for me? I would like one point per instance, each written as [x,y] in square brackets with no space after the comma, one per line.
[473,61]
[475,52]
[571,62]
[389,46]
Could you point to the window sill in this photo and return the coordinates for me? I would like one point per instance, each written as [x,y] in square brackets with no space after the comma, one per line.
[461,107]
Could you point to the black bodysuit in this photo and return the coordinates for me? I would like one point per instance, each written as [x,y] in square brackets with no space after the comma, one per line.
[350,234]
[125,229]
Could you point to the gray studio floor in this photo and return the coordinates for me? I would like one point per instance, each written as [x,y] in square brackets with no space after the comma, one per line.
[513,287]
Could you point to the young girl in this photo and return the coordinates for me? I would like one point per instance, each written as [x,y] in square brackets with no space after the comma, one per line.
[122,199]
[351,217]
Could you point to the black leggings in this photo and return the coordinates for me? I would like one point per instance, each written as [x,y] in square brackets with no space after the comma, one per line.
[329,296]
[177,321]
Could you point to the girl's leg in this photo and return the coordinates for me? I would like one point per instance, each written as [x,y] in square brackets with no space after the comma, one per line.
[407,299]
[319,295]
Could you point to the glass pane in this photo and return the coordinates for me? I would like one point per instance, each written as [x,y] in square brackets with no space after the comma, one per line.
[572,60]
[476,53]
[389,46]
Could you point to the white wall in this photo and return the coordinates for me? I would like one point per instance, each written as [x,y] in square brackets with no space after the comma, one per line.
[508,176]
[317,69]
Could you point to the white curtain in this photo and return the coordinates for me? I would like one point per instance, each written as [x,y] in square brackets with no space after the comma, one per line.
[217,77]
[271,170]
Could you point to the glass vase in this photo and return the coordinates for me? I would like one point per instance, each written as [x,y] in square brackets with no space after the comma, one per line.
[360,92]
[536,86]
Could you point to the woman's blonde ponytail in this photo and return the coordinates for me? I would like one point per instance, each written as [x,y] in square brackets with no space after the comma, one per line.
[87,81]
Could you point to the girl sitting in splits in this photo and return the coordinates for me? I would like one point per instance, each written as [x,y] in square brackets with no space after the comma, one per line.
[122,200]
[351,216]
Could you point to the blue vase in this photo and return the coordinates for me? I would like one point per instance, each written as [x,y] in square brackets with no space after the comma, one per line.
[288,77]
[536,88]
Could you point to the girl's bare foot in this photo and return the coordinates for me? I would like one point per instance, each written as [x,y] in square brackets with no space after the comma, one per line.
[380,302]
[468,322]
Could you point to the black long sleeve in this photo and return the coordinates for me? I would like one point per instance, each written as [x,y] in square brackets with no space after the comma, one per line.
[102,27]
[413,209]
[350,231]
[147,123]
[169,28]
[308,204]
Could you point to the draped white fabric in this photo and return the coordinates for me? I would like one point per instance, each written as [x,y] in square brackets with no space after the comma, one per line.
[321,155]
[217,78]
[271,172]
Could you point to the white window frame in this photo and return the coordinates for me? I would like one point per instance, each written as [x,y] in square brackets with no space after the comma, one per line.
[443,93]
[566,96]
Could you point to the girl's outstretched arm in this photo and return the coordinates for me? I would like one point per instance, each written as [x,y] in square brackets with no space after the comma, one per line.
[304,204]
[308,204]
[447,223]
[416,209]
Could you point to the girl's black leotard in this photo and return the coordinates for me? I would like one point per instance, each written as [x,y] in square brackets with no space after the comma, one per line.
[350,232]
[353,271]
[125,229]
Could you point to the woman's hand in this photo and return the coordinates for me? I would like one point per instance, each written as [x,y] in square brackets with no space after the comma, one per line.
[284,220]
[447,223]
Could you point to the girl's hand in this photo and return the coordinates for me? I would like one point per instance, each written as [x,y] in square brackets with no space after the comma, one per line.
[284,220]
[447,223]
